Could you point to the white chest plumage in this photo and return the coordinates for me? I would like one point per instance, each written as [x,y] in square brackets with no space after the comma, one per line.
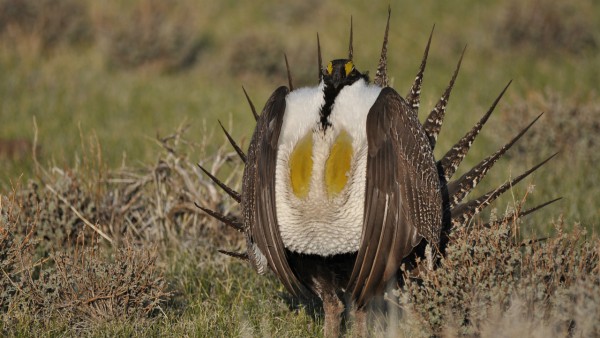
[320,211]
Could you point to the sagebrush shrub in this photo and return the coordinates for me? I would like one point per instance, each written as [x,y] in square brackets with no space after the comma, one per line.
[486,272]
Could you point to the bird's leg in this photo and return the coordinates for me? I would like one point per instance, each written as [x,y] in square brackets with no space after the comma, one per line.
[333,307]
[359,327]
[429,256]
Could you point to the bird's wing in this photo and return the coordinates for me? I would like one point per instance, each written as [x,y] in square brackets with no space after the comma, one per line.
[258,194]
[402,201]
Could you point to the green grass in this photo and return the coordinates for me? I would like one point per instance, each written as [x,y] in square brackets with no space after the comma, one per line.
[83,93]
[74,90]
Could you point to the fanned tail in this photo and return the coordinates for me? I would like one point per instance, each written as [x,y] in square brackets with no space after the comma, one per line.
[289,73]
[239,255]
[449,163]
[521,213]
[231,221]
[251,104]
[459,189]
[413,98]
[433,123]
[234,194]
[464,212]
[381,76]
[319,59]
[350,47]
[238,150]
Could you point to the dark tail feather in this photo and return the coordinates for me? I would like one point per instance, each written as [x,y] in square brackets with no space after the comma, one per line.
[319,58]
[232,222]
[413,98]
[463,213]
[234,194]
[239,255]
[521,213]
[238,150]
[434,121]
[457,190]
[289,74]
[350,48]
[251,104]
[448,164]
[381,76]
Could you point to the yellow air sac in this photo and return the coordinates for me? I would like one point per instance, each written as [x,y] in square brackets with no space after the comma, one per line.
[338,164]
[301,164]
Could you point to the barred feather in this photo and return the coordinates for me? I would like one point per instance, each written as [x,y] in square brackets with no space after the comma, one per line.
[464,212]
[234,194]
[433,123]
[520,213]
[450,162]
[231,221]
[239,255]
[251,104]
[238,150]
[289,73]
[413,98]
[459,189]
[381,76]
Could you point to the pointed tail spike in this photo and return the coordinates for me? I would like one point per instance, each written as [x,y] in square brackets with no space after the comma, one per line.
[463,213]
[413,98]
[320,59]
[234,194]
[350,48]
[289,74]
[449,163]
[520,214]
[381,78]
[459,189]
[231,221]
[251,104]
[238,150]
[433,123]
[239,255]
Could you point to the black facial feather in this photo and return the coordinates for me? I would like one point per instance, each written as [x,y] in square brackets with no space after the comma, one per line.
[334,83]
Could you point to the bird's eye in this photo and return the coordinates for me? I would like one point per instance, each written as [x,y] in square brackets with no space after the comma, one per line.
[349,67]
[330,68]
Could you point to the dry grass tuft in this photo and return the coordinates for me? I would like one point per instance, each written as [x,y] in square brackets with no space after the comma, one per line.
[80,286]
[80,248]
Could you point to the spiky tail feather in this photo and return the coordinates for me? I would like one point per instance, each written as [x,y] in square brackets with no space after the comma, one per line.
[464,212]
[234,194]
[433,123]
[450,162]
[459,189]
[413,98]
[238,150]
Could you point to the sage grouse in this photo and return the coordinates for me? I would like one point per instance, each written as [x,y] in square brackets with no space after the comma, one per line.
[340,184]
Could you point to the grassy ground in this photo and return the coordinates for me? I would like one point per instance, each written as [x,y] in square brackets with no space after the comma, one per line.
[113,76]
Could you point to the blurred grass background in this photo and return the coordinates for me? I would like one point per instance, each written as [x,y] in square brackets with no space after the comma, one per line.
[125,71]
[102,79]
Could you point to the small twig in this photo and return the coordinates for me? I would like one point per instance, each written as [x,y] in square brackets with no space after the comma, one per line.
[88,223]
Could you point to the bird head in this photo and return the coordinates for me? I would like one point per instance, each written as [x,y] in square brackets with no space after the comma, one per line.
[340,73]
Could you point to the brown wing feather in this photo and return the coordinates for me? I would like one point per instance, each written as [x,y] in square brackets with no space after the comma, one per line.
[402,200]
[259,192]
